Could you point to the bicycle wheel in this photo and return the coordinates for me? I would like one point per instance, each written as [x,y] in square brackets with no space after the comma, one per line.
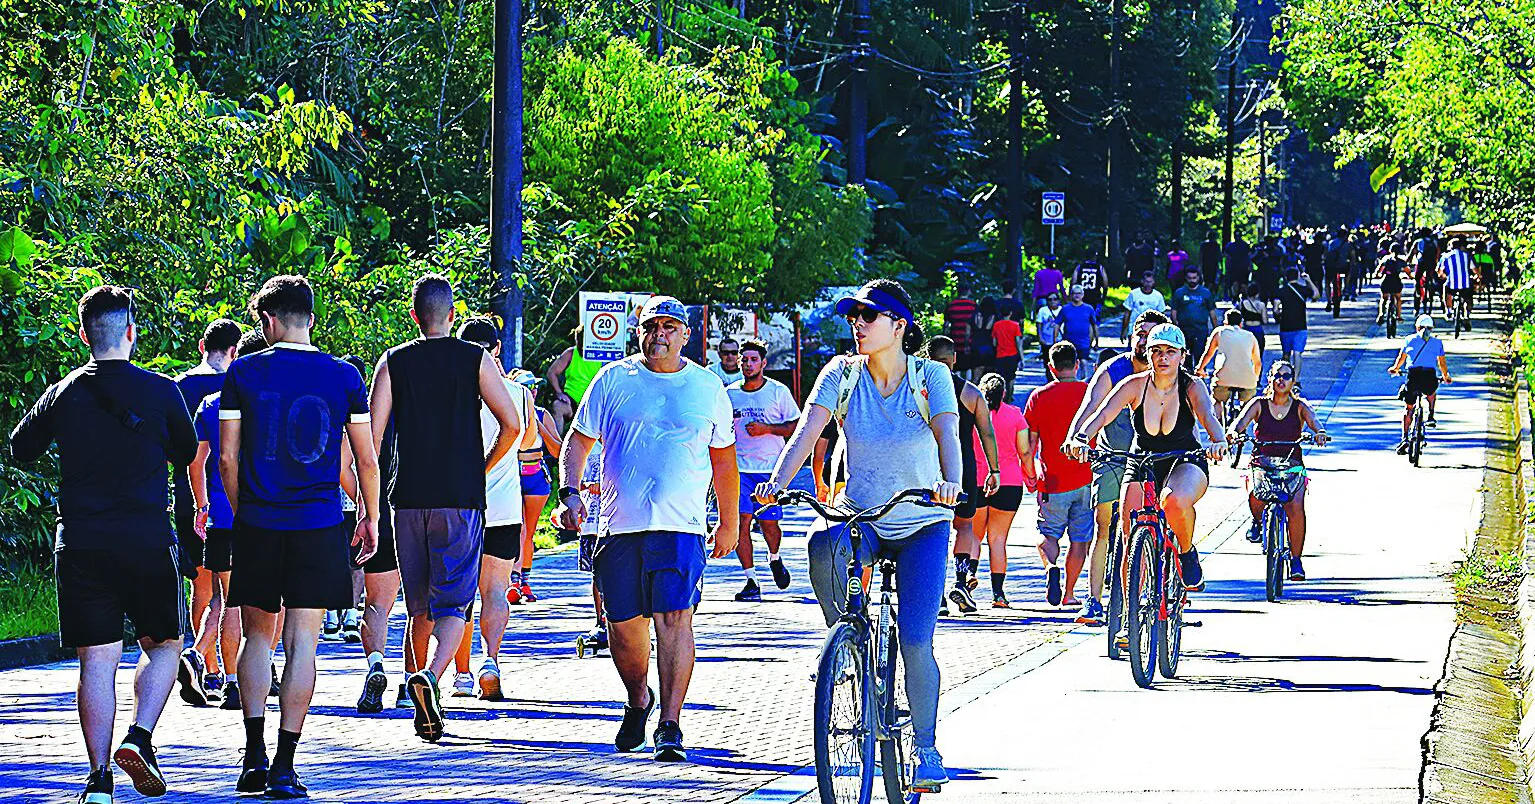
[1415,443]
[1143,604]
[897,737]
[1170,628]
[1114,619]
[1391,327]
[1274,535]
[844,737]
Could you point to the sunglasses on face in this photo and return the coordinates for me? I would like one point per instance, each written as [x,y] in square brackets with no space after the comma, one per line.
[729,352]
[868,315]
[1285,376]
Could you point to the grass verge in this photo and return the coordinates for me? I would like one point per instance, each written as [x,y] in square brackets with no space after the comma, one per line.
[27,604]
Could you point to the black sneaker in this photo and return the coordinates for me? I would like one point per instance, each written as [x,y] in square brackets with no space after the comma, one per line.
[1053,594]
[1255,533]
[231,700]
[1297,572]
[373,689]
[780,573]
[751,593]
[213,682]
[1193,574]
[402,699]
[1432,423]
[962,599]
[283,783]
[98,787]
[276,688]
[422,687]
[669,742]
[631,733]
[1401,449]
[253,773]
[189,676]
[138,761]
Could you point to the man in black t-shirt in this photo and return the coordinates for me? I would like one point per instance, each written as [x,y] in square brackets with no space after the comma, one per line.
[1292,316]
[116,426]
[1139,258]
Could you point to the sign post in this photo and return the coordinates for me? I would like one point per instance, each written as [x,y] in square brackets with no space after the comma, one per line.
[1052,213]
[604,325]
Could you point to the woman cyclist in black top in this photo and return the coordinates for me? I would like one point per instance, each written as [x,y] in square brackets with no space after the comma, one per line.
[1166,401]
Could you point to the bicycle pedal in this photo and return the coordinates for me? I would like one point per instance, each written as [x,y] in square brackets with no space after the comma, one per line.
[1193,624]
[931,790]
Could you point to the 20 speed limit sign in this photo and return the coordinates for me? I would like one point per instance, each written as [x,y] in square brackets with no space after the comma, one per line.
[1053,209]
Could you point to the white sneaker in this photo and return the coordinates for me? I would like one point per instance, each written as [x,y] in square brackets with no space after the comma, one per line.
[463,685]
[490,680]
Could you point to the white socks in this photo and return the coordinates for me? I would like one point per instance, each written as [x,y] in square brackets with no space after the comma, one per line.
[375,658]
[772,557]
[751,574]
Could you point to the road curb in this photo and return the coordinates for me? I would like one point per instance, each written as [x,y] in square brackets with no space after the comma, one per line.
[27,651]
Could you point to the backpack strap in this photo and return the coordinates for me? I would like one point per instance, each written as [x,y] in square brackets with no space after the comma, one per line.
[852,370]
[916,380]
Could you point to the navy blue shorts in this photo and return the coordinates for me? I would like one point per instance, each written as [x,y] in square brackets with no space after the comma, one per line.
[749,481]
[536,484]
[640,574]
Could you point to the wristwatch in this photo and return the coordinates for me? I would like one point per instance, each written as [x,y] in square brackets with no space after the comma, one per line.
[568,491]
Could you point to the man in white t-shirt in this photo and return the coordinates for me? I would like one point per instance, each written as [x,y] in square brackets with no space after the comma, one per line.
[666,431]
[729,367]
[1146,297]
[765,415]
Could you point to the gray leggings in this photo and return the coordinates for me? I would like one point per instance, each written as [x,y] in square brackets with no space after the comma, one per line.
[920,574]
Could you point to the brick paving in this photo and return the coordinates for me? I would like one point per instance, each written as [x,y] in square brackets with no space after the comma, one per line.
[748,719]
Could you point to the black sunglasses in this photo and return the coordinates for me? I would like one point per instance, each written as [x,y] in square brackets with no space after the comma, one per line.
[729,352]
[1284,376]
[868,314]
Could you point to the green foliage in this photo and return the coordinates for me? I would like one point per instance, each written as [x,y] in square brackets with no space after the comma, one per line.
[27,604]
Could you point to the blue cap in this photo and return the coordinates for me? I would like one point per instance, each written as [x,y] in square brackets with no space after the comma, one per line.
[663,306]
[875,299]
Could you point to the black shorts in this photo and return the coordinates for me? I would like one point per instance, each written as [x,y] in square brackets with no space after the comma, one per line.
[972,501]
[187,544]
[385,559]
[300,569]
[98,587]
[503,542]
[1420,382]
[1006,498]
[1162,468]
[218,551]
[1391,284]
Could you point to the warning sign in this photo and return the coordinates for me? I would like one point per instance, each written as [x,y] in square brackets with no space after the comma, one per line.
[604,325]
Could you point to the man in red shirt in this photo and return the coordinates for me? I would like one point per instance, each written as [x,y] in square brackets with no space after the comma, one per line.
[1066,485]
[1006,334]
[957,317]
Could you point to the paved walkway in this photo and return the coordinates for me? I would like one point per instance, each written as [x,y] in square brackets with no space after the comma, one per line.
[1026,692]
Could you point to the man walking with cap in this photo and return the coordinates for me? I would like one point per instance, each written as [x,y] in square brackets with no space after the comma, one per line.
[432,387]
[117,426]
[667,432]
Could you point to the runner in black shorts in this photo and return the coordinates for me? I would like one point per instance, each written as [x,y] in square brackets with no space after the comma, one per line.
[974,419]
[283,414]
[117,426]
[1167,399]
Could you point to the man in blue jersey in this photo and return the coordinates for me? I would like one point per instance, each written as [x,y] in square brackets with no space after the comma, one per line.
[1117,434]
[1459,276]
[432,388]
[283,413]
[116,426]
[1423,356]
[214,523]
[218,350]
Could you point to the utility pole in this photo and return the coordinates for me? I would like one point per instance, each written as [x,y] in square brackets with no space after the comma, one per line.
[1228,189]
[1116,168]
[858,96]
[506,179]
[1015,144]
[1263,176]
[1177,211]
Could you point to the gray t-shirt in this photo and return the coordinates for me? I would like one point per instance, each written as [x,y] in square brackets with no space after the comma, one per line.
[890,448]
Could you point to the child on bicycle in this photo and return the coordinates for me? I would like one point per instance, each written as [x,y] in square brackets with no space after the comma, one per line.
[1280,415]
[900,428]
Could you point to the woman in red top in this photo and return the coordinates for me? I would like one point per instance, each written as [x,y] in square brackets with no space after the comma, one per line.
[1282,416]
[994,515]
[1005,333]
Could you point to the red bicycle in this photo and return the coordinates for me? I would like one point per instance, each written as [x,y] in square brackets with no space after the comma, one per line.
[1156,596]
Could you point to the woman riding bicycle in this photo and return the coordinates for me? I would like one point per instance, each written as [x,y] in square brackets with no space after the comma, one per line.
[893,442]
[1281,416]
[1392,266]
[1165,402]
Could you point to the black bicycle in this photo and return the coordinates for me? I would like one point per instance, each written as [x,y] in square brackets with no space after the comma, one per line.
[1114,613]
[862,718]
[1274,482]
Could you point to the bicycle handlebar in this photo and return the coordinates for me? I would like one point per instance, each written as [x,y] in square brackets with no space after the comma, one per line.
[923,497]
[1107,455]
[1306,438]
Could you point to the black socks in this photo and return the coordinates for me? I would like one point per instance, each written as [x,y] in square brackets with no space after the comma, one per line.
[287,743]
[961,567]
[139,736]
[255,738]
[996,583]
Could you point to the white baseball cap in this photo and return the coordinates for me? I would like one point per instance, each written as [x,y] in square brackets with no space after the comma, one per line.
[1425,321]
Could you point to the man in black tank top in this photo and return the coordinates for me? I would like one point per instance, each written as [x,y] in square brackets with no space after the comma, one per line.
[432,388]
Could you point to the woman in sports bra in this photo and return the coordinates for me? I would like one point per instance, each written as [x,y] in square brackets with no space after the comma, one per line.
[1280,415]
[1164,404]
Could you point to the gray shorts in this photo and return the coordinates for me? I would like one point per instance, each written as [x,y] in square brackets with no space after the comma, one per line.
[1067,512]
[439,552]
